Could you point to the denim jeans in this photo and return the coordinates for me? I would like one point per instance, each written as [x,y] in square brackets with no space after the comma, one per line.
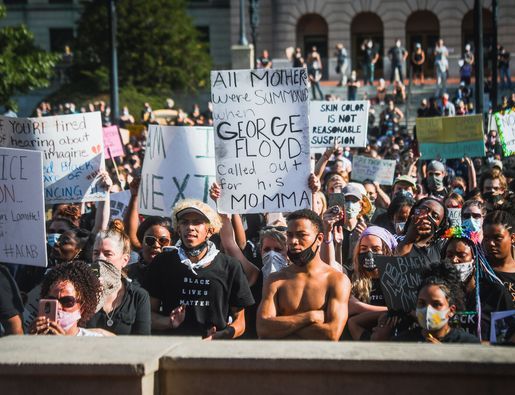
[368,73]
[505,77]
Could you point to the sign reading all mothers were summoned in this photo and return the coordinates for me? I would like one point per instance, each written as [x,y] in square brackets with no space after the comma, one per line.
[261,139]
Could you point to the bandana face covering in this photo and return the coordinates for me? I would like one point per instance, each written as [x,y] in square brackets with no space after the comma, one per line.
[304,257]
[110,279]
[435,183]
[352,209]
[465,270]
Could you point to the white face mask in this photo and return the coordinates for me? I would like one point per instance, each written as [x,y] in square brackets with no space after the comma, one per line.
[352,209]
[432,319]
[272,262]
[465,270]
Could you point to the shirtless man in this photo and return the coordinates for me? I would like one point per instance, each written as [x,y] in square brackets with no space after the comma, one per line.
[308,299]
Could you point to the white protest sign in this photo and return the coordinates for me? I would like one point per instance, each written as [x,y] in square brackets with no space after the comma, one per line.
[261,139]
[338,122]
[119,202]
[22,208]
[379,170]
[454,216]
[73,152]
[179,163]
[506,129]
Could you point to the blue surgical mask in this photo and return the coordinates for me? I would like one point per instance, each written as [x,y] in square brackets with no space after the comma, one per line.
[472,223]
[52,239]
[459,191]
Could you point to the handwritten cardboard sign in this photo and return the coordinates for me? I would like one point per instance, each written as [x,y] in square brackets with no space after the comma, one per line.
[112,142]
[451,137]
[73,152]
[261,139]
[179,163]
[380,170]
[400,278]
[506,128]
[22,208]
[338,122]
[119,203]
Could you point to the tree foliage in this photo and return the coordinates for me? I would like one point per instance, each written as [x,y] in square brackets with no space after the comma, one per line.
[158,45]
[23,65]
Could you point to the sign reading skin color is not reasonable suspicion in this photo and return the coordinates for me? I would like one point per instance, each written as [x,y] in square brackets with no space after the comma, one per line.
[22,208]
[73,153]
[261,139]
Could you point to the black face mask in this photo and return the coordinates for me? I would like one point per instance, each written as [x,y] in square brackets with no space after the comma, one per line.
[491,198]
[366,261]
[304,257]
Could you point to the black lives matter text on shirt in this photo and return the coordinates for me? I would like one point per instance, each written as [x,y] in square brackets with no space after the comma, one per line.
[207,294]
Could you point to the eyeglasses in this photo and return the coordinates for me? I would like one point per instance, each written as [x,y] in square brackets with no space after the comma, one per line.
[468,215]
[66,301]
[278,228]
[151,241]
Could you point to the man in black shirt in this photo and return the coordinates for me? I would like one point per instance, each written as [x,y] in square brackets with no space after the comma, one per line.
[397,55]
[194,289]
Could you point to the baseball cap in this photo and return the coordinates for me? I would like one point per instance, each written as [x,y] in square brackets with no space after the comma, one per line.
[407,179]
[189,210]
[436,166]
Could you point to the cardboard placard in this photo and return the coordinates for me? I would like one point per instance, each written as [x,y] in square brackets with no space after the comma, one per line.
[400,278]
[119,203]
[22,208]
[261,139]
[73,152]
[451,137]
[112,142]
[179,163]
[379,170]
[338,122]
[506,129]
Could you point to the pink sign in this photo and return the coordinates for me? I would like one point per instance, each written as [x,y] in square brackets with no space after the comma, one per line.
[112,143]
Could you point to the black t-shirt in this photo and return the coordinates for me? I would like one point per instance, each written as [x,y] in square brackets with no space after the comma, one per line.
[208,295]
[131,317]
[368,55]
[431,253]
[455,335]
[376,294]
[509,282]
[10,300]
[397,54]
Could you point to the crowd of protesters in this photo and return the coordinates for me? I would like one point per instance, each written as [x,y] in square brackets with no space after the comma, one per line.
[308,274]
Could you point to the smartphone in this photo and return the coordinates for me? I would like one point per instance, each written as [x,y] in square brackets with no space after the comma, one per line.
[336,199]
[48,309]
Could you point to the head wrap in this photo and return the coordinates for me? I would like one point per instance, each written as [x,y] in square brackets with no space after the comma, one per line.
[383,234]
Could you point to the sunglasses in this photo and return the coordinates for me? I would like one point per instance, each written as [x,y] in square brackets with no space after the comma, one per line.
[468,215]
[66,301]
[151,241]
[278,228]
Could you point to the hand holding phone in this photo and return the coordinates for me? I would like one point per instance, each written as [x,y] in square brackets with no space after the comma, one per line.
[48,309]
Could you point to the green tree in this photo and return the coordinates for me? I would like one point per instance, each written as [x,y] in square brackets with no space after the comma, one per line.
[158,46]
[23,65]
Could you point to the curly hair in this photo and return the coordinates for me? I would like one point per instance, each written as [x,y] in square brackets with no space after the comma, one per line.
[85,282]
[446,277]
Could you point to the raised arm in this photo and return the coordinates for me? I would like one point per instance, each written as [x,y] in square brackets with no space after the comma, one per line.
[382,197]
[337,312]
[103,212]
[271,326]
[239,231]
[472,184]
[131,218]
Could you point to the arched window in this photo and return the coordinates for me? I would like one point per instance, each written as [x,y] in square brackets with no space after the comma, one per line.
[423,27]
[312,31]
[364,26]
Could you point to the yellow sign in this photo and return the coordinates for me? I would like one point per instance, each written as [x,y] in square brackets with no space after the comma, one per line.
[450,129]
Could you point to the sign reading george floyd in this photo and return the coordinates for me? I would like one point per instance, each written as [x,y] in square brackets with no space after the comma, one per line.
[73,153]
[338,122]
[400,277]
[379,170]
[261,139]
[179,163]
[22,208]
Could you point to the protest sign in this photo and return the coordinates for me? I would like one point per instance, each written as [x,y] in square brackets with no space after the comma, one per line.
[499,325]
[22,208]
[112,143]
[400,278]
[454,216]
[136,130]
[380,170]
[179,163]
[338,122]
[73,152]
[119,202]
[451,137]
[261,139]
[506,129]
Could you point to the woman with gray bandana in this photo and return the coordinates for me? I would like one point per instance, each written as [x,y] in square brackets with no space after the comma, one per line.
[124,307]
